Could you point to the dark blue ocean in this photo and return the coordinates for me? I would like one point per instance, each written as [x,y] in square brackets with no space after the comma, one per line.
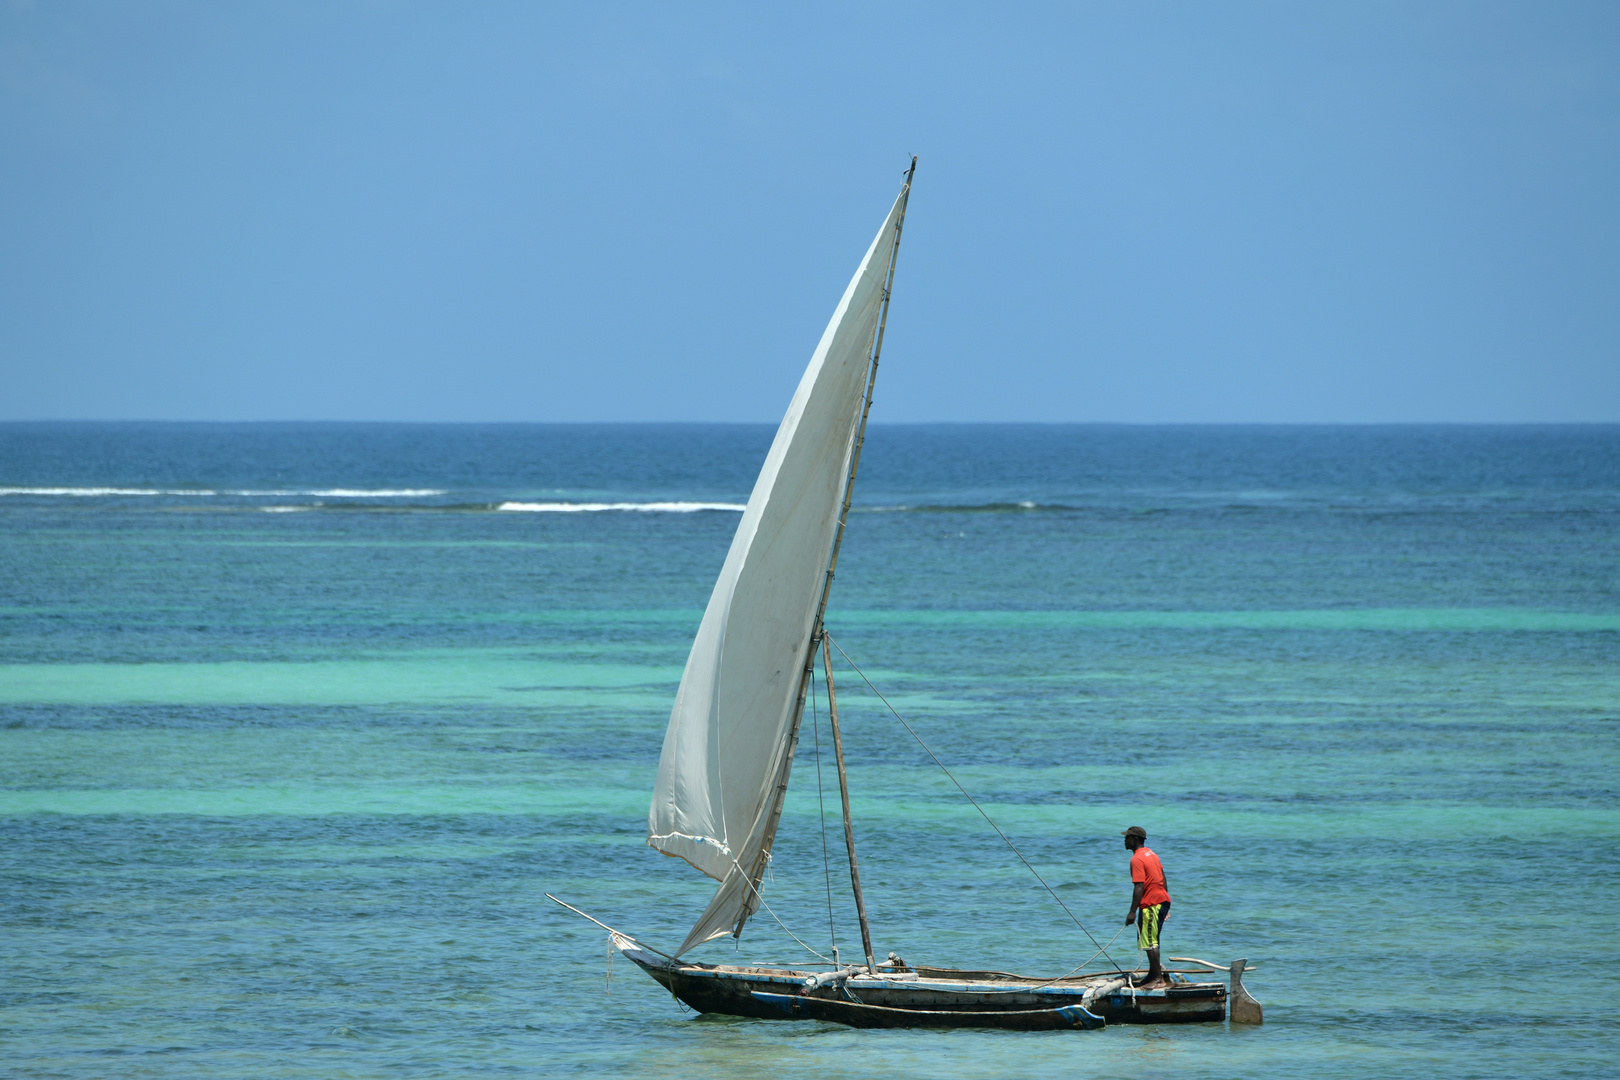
[298,723]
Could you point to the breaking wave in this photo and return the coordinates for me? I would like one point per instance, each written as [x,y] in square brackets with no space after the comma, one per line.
[84,491]
[644,507]
[318,493]
[963,508]
[352,493]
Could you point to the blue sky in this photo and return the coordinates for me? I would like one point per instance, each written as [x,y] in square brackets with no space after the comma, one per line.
[1152,212]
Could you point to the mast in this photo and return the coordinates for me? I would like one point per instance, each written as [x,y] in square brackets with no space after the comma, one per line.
[843,791]
[757,870]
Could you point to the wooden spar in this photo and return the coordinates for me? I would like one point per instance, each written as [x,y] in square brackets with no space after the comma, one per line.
[757,871]
[866,411]
[843,791]
[883,324]
[816,632]
[609,929]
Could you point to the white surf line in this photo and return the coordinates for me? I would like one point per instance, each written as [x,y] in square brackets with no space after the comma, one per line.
[319,493]
[85,491]
[591,508]
[347,493]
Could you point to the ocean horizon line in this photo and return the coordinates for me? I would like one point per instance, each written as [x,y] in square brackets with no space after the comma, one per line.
[63,422]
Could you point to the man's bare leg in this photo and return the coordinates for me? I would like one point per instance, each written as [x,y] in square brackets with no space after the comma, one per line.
[1155,975]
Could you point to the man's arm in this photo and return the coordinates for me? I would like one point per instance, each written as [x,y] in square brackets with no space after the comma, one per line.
[1136,901]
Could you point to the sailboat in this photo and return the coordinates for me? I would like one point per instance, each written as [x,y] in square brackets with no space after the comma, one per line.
[728,751]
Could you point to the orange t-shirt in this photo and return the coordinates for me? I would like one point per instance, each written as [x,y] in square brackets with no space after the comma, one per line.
[1146,868]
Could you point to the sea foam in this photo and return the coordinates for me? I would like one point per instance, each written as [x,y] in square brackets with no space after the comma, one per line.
[353,493]
[81,491]
[326,493]
[646,507]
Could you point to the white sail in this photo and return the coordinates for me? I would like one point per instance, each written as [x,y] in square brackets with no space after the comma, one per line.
[729,746]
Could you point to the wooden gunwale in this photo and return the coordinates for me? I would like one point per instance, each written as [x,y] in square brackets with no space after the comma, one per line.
[932,975]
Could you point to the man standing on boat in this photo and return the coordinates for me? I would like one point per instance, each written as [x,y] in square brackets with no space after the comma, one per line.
[1150,902]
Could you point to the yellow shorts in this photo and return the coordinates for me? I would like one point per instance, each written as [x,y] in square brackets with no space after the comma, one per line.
[1148,922]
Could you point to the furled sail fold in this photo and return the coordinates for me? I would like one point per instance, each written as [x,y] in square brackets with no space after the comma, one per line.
[729,746]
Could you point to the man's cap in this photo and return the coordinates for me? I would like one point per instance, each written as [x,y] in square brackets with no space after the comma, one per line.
[1136,831]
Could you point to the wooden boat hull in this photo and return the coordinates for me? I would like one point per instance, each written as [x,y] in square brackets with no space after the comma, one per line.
[856,1014]
[754,991]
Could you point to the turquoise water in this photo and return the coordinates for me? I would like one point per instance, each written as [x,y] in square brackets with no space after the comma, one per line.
[297,725]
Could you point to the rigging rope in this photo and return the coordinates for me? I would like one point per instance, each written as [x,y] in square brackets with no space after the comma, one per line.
[1103,949]
[821,807]
[755,890]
